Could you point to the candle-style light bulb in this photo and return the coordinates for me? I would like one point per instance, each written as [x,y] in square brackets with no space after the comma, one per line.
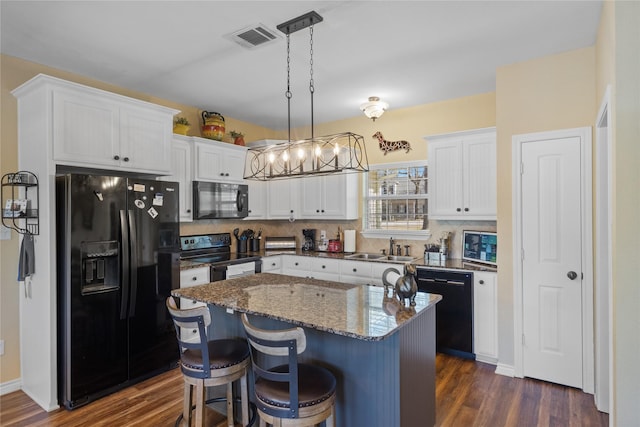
[317,153]
[272,158]
[285,158]
[301,159]
[336,151]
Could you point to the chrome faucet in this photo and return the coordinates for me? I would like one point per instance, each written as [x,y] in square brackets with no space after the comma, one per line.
[391,243]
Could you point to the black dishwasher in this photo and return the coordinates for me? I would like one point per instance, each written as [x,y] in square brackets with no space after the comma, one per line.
[454,314]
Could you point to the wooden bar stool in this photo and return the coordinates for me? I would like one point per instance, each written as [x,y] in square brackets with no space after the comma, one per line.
[209,363]
[292,394]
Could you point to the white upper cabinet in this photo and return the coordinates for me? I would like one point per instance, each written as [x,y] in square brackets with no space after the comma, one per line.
[330,196]
[257,199]
[218,161]
[282,199]
[462,175]
[182,172]
[98,129]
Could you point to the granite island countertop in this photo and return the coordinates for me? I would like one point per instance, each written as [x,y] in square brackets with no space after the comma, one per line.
[357,311]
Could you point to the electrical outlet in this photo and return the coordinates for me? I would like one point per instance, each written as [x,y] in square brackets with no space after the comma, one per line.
[1,347]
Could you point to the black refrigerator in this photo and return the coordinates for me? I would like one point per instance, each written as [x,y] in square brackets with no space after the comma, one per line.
[118,244]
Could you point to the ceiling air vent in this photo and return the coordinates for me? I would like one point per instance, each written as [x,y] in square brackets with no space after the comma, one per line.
[253,36]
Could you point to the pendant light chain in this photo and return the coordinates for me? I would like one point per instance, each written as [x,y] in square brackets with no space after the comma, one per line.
[288,93]
[326,155]
[311,85]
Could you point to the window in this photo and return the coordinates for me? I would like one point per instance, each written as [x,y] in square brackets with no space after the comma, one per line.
[396,200]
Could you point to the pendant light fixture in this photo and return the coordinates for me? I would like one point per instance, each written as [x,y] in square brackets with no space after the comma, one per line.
[306,157]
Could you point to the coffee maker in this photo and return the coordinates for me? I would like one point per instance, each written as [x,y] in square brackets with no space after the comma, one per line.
[309,241]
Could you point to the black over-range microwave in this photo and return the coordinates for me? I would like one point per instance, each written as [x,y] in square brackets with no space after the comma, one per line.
[214,200]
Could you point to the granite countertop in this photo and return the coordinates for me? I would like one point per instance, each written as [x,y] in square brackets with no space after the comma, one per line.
[356,311]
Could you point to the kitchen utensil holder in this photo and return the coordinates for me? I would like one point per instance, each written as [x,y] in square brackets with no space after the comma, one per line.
[254,245]
[242,246]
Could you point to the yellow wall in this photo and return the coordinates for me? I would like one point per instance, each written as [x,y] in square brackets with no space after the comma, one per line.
[626,205]
[554,92]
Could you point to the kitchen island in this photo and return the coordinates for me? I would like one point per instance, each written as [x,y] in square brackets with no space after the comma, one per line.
[382,353]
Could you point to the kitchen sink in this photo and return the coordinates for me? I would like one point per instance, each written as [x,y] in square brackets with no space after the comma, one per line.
[398,258]
[365,256]
[379,257]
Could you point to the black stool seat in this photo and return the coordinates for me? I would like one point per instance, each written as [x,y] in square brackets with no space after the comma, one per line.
[222,354]
[315,385]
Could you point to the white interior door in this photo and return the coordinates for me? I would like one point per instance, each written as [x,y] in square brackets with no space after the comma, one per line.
[552,261]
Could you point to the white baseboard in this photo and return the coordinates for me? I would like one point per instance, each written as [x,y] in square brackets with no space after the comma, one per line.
[506,370]
[486,359]
[10,386]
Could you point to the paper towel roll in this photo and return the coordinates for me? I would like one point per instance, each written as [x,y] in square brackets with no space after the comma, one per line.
[349,241]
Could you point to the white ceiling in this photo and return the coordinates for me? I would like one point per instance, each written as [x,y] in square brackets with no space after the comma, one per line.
[406,52]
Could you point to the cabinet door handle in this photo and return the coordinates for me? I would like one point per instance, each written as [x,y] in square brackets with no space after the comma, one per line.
[126,159]
[466,209]
[322,210]
[221,173]
[317,210]
[188,210]
[194,278]
[116,157]
[355,270]
[481,282]
[273,264]
[458,209]
[296,264]
[324,266]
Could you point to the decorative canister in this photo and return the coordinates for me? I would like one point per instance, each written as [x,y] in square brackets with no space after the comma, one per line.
[213,125]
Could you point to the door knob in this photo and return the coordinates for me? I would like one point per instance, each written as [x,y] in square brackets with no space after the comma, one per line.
[572,275]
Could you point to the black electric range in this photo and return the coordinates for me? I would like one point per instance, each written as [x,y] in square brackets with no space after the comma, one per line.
[215,249]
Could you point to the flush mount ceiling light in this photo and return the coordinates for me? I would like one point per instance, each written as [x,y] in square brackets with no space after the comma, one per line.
[374,108]
[343,152]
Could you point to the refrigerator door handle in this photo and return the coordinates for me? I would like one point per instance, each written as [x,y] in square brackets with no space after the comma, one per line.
[124,258]
[133,260]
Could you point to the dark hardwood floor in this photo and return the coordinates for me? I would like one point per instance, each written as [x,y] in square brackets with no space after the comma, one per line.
[468,393]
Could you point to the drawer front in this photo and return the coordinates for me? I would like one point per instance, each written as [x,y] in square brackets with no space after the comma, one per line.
[355,268]
[272,263]
[194,276]
[186,304]
[325,266]
[296,263]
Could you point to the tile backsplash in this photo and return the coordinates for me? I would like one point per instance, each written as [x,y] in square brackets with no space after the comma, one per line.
[286,228]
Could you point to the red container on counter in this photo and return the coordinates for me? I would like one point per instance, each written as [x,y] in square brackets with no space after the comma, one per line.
[334,246]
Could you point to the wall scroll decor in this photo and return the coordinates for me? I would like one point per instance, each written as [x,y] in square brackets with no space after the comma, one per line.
[387,146]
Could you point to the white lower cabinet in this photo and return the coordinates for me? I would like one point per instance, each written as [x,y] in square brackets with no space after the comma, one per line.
[355,272]
[293,265]
[188,278]
[378,269]
[272,264]
[485,316]
[325,269]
